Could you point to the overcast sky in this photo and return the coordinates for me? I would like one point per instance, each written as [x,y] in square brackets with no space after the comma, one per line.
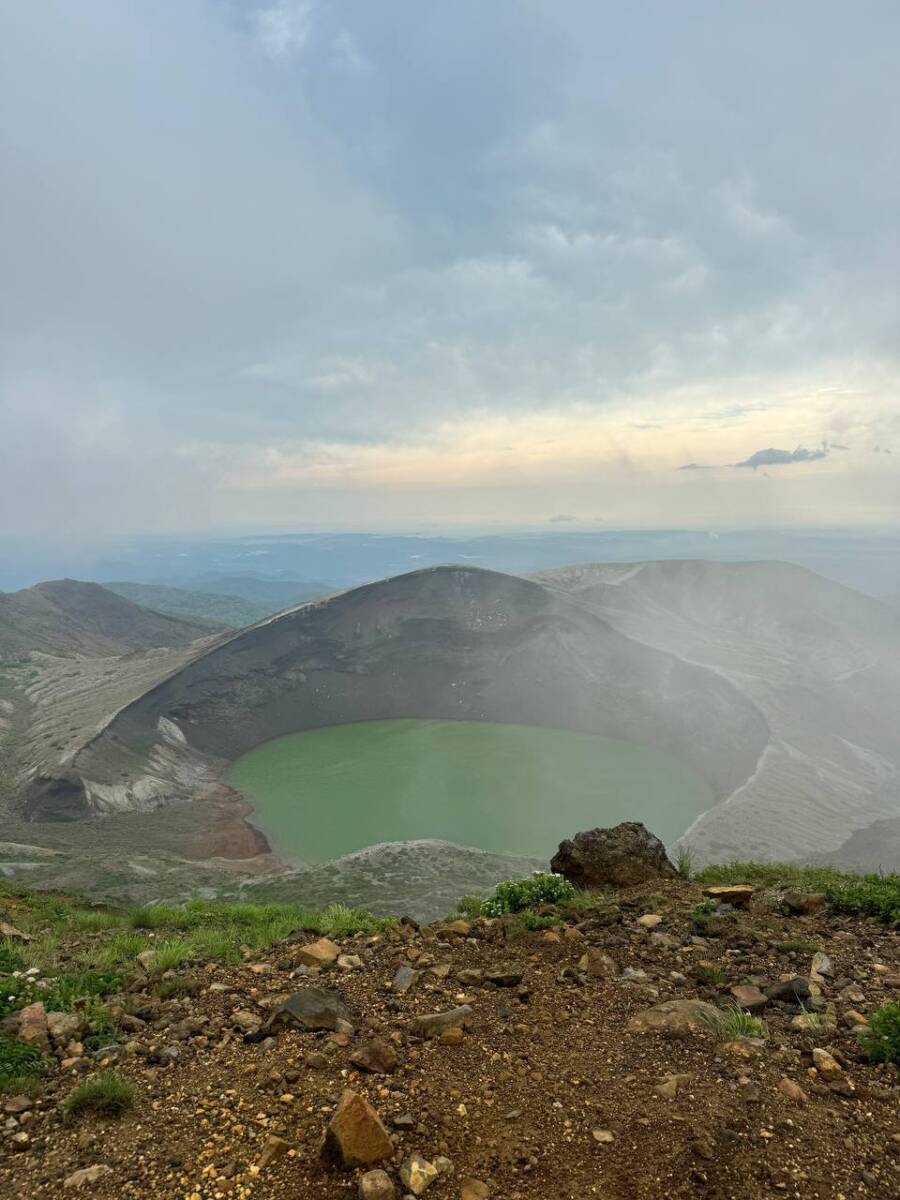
[392,264]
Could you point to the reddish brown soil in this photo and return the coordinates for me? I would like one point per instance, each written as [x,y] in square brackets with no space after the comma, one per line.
[516,1102]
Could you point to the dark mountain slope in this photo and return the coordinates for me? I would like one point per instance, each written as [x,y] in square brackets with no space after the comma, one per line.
[447,642]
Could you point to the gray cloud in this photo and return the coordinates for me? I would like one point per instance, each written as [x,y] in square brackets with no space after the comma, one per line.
[777,458]
[267,223]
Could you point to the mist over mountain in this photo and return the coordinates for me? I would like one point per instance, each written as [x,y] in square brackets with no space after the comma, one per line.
[777,687]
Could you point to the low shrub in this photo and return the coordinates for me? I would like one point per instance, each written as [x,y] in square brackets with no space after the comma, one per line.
[11,957]
[65,992]
[867,896]
[515,895]
[107,1094]
[20,1063]
[881,1040]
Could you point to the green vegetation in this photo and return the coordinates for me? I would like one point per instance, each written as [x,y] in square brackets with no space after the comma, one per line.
[860,895]
[795,946]
[684,862]
[20,1065]
[11,956]
[732,1022]
[515,895]
[709,975]
[811,1021]
[205,608]
[215,931]
[177,985]
[107,1094]
[881,1040]
[326,792]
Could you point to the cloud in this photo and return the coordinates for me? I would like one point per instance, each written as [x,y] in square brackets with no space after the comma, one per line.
[776,458]
[349,251]
[284,28]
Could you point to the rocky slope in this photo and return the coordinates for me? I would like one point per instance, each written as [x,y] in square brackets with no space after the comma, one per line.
[594,1057]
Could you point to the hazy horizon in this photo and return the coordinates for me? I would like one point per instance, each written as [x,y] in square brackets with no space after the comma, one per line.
[282,262]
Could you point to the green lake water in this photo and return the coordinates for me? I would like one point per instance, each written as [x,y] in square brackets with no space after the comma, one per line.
[512,788]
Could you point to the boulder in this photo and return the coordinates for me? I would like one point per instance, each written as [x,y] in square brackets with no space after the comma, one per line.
[802,904]
[598,965]
[474,1189]
[417,1174]
[355,1136]
[274,1148]
[735,894]
[674,1017]
[789,991]
[403,979]
[317,954]
[434,1024]
[750,998]
[503,977]
[376,1185]
[33,1026]
[14,934]
[86,1175]
[313,1008]
[375,1056]
[63,1027]
[625,855]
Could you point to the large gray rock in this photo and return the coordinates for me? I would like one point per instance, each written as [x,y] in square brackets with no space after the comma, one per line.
[314,1008]
[674,1017]
[622,856]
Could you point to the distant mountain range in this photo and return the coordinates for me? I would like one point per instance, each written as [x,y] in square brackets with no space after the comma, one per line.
[221,601]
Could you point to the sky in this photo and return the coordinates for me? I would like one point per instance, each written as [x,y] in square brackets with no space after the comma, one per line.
[293,264]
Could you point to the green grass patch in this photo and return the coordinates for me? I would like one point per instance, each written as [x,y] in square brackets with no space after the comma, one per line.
[795,946]
[881,1041]
[95,920]
[709,975]
[20,1065]
[11,956]
[869,895]
[177,985]
[210,931]
[731,1022]
[67,991]
[107,1094]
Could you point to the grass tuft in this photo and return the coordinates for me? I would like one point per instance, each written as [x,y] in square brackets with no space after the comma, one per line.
[684,862]
[731,1022]
[881,1041]
[11,956]
[107,1094]
[20,1065]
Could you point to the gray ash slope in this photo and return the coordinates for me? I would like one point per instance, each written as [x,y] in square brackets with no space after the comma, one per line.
[819,661]
[779,687]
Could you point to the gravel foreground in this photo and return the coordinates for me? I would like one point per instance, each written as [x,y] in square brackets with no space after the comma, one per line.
[553,1087]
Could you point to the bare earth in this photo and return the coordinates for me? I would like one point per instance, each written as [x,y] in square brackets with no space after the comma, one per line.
[547,1096]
